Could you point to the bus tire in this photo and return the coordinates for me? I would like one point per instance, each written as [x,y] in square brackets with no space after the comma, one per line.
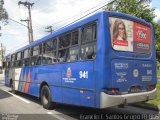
[46,99]
[12,86]
[12,89]
[11,83]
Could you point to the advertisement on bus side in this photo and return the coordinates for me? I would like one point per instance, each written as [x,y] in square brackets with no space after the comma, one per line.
[129,36]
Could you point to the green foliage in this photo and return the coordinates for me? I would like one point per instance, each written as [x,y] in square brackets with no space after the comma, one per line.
[158,72]
[157,39]
[157,100]
[138,8]
[3,13]
[157,35]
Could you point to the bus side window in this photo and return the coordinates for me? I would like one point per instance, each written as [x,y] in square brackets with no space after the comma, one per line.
[36,55]
[63,54]
[25,57]
[26,62]
[49,51]
[88,42]
[88,52]
[73,50]
[73,54]
[64,44]
[15,61]
[12,60]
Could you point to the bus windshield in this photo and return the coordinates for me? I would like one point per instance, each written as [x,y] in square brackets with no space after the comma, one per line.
[130,36]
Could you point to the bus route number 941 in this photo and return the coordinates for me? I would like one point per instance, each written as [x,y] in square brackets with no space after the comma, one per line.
[83,74]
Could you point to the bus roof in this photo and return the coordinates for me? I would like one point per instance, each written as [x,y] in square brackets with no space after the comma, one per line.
[85,20]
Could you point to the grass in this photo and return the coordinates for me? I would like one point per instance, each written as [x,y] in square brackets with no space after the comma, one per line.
[156,101]
[158,72]
[151,104]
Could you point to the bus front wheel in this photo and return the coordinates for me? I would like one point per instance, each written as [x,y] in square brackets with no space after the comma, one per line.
[46,100]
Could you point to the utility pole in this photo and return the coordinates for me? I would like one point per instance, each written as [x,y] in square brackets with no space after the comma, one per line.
[28,5]
[2,52]
[49,28]
[29,37]
[2,59]
[0,33]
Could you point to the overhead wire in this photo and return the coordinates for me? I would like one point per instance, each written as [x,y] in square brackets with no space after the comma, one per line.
[81,17]
[84,15]
[82,12]
[17,22]
[70,18]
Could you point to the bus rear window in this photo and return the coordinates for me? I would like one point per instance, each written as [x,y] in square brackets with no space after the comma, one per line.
[129,36]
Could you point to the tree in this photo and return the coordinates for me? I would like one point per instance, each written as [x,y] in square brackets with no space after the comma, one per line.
[3,13]
[157,35]
[157,38]
[138,8]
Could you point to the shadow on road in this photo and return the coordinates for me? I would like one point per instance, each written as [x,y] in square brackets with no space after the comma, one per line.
[76,112]
[28,97]
[84,113]
[3,94]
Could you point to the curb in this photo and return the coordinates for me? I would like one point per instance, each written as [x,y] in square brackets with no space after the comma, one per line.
[146,106]
[5,88]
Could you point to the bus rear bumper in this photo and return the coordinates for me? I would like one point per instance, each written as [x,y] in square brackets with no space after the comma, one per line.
[113,100]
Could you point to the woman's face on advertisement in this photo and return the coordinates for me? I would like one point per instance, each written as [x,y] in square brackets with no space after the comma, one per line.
[121,30]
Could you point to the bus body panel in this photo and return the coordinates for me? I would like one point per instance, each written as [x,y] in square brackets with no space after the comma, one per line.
[124,75]
[70,83]
[102,66]
[84,83]
[17,73]
[129,74]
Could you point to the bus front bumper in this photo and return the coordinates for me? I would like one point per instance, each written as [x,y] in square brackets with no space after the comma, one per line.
[114,100]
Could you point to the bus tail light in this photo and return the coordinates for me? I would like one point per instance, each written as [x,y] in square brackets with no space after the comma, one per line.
[150,87]
[115,91]
[112,91]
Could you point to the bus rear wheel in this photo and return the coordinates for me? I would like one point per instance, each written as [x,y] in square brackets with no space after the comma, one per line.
[12,86]
[46,100]
[13,89]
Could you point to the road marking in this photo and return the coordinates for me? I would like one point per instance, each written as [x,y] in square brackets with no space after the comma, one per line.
[50,113]
[56,116]
[24,100]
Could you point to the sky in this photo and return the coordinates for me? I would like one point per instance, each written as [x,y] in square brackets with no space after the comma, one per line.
[45,13]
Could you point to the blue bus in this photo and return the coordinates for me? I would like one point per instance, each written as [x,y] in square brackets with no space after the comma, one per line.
[104,60]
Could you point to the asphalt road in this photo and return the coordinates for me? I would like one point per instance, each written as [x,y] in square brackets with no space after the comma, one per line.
[25,107]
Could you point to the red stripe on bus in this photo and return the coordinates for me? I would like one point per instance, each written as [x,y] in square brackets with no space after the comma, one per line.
[28,83]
